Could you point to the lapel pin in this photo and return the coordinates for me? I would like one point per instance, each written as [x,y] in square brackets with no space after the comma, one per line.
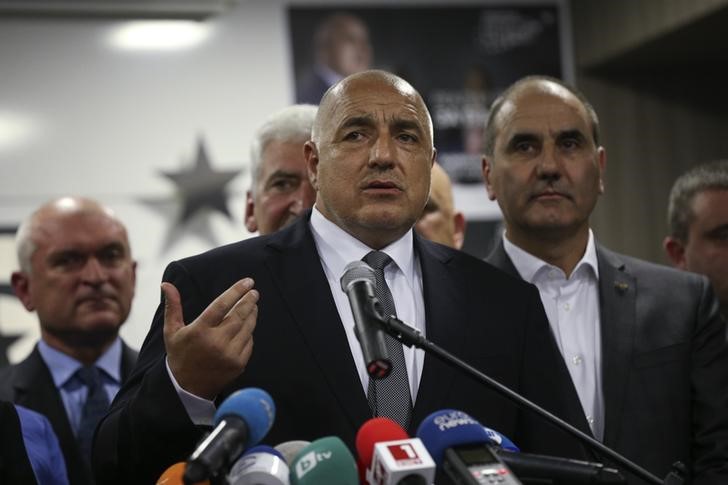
[621,286]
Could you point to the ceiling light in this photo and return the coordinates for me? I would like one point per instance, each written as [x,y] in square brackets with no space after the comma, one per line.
[159,34]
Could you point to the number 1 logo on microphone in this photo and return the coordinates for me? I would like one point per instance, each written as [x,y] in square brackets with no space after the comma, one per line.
[404,454]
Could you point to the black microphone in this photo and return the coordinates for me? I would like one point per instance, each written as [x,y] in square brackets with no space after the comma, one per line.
[358,283]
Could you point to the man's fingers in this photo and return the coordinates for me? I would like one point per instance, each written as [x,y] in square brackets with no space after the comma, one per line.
[173,319]
[220,306]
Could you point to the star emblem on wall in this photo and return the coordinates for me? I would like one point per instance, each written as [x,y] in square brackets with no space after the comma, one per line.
[200,187]
[200,191]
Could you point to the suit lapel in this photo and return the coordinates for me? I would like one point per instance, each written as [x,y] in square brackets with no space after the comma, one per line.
[309,299]
[442,295]
[499,258]
[617,301]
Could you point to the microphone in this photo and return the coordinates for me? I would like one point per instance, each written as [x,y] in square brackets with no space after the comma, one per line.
[326,461]
[388,456]
[173,476]
[241,422]
[260,465]
[497,439]
[291,449]
[552,470]
[462,447]
[358,282]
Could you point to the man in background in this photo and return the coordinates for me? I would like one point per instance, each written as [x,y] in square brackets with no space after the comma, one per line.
[697,217]
[342,47]
[76,272]
[644,344]
[279,188]
[440,221]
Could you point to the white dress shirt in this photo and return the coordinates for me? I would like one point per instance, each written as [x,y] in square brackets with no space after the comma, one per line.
[336,249]
[572,308]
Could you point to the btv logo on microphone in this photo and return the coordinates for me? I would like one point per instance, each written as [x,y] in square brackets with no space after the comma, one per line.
[309,461]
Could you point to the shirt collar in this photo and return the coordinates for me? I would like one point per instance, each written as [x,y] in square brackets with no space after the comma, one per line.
[528,265]
[63,367]
[347,248]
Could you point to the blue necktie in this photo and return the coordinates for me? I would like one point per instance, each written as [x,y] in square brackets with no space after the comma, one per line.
[96,405]
[389,397]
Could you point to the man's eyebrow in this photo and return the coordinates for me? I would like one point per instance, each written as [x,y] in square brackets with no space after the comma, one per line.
[520,138]
[402,124]
[575,133]
[363,120]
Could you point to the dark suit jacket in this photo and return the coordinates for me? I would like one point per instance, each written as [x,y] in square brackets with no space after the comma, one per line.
[302,358]
[30,384]
[15,466]
[664,366]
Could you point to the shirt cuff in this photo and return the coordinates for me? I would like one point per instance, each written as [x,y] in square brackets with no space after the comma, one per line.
[200,410]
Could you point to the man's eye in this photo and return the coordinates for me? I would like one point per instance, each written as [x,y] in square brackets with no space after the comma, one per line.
[111,256]
[570,144]
[407,137]
[68,261]
[524,147]
[282,185]
[353,136]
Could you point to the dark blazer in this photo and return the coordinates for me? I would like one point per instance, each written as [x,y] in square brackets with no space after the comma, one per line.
[664,366]
[302,358]
[30,384]
[15,466]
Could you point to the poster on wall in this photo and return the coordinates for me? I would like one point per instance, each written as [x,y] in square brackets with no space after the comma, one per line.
[458,57]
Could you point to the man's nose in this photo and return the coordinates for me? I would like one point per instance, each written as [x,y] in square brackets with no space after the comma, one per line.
[94,273]
[382,151]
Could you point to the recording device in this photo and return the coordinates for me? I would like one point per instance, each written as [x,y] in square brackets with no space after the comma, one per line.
[550,470]
[260,465]
[462,447]
[324,461]
[358,282]
[242,420]
[388,456]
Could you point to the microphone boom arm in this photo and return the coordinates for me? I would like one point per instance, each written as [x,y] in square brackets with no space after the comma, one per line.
[410,336]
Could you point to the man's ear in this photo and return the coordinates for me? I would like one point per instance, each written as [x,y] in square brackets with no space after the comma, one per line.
[250,223]
[487,171]
[602,154]
[459,233]
[21,287]
[675,250]
[310,154]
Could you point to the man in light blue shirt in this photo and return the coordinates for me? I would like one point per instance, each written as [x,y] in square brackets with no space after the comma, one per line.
[77,274]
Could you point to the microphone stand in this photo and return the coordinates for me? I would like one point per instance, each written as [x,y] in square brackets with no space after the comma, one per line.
[410,336]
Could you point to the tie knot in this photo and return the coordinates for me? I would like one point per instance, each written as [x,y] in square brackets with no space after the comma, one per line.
[90,375]
[377,259]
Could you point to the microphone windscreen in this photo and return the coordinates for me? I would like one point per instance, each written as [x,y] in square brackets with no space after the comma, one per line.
[355,271]
[262,465]
[291,449]
[174,476]
[265,449]
[252,405]
[447,428]
[326,460]
[374,431]
[503,442]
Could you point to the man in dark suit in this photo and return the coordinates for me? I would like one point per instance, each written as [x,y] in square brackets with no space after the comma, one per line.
[644,343]
[697,217]
[77,274]
[369,160]
[341,48]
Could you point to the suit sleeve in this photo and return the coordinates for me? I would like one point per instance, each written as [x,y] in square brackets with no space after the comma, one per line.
[546,381]
[709,385]
[147,428]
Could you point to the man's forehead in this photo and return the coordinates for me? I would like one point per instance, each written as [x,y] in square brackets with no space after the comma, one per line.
[538,112]
[97,229]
